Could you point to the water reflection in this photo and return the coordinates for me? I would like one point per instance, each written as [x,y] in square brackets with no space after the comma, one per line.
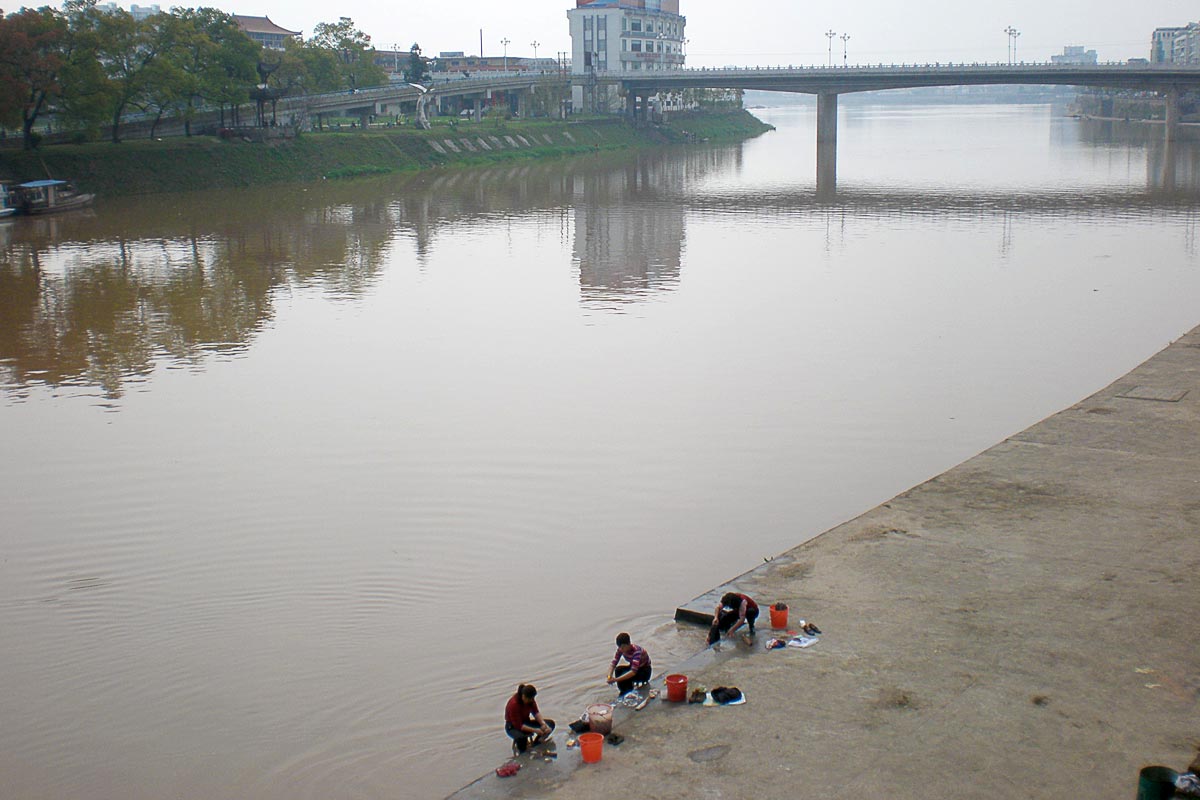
[1171,165]
[99,299]
[621,255]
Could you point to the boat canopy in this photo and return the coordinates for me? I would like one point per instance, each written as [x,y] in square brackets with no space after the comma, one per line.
[40,184]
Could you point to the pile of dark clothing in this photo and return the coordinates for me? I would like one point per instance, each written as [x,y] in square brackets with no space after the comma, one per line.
[723,695]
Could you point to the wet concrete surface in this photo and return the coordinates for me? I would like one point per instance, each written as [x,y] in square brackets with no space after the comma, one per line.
[1021,626]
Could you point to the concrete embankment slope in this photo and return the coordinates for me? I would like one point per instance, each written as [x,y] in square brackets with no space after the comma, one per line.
[203,162]
[1022,626]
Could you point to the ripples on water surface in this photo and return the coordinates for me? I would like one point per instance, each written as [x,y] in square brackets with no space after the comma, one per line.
[301,482]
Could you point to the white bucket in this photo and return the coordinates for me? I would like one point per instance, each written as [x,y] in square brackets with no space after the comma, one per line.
[600,718]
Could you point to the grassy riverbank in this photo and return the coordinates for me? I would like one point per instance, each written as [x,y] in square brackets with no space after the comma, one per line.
[182,164]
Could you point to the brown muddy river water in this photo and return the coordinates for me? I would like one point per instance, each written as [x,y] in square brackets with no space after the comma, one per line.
[299,483]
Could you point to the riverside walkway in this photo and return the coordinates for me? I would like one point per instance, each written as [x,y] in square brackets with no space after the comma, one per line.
[1021,626]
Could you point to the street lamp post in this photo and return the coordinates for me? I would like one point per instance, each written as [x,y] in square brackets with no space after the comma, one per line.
[845,37]
[535,44]
[506,42]
[829,34]
[1013,33]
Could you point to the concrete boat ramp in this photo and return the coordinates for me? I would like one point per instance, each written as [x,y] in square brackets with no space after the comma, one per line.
[1024,625]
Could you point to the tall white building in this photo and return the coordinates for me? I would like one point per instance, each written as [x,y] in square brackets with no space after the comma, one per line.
[1176,45]
[622,36]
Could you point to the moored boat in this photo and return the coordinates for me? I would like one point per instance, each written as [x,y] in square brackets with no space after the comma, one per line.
[8,201]
[46,196]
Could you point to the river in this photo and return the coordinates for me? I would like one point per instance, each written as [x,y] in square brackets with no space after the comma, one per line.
[300,482]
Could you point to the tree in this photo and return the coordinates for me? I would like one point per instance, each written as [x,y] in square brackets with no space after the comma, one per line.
[353,51]
[130,50]
[417,68]
[33,53]
[306,68]
[127,51]
[215,58]
[168,86]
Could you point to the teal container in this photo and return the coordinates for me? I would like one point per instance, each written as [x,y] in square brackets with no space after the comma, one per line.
[1156,783]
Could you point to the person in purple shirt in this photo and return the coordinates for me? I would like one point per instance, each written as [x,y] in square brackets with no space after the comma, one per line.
[636,668]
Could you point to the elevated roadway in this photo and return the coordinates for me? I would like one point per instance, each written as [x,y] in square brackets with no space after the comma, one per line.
[824,82]
[874,78]
[381,100]
[828,82]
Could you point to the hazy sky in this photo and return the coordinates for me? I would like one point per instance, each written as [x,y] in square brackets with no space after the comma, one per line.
[762,31]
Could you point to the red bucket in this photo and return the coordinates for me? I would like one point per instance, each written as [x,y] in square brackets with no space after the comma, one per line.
[677,688]
[779,617]
[591,746]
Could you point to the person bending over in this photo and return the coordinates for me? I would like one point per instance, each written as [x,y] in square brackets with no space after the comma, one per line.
[523,721]
[732,612]
[636,668]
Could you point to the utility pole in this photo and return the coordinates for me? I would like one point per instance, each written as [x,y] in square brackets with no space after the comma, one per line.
[845,37]
[829,34]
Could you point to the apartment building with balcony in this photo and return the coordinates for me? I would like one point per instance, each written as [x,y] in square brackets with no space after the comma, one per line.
[622,36]
[1176,45]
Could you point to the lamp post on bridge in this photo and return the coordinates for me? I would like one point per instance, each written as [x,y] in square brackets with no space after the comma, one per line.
[829,34]
[506,42]
[845,37]
[535,44]
[1013,33]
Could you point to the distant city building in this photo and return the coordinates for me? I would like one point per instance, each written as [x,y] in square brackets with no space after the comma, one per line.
[138,12]
[1075,54]
[395,61]
[1176,45]
[1187,45]
[623,36]
[265,32]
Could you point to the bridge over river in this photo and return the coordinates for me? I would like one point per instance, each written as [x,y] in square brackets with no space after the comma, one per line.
[828,82]
[824,82]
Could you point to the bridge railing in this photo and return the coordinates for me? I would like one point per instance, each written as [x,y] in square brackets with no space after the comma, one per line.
[916,66]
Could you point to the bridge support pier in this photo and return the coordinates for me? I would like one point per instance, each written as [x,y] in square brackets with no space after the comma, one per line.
[522,104]
[826,143]
[478,108]
[631,106]
[1172,113]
